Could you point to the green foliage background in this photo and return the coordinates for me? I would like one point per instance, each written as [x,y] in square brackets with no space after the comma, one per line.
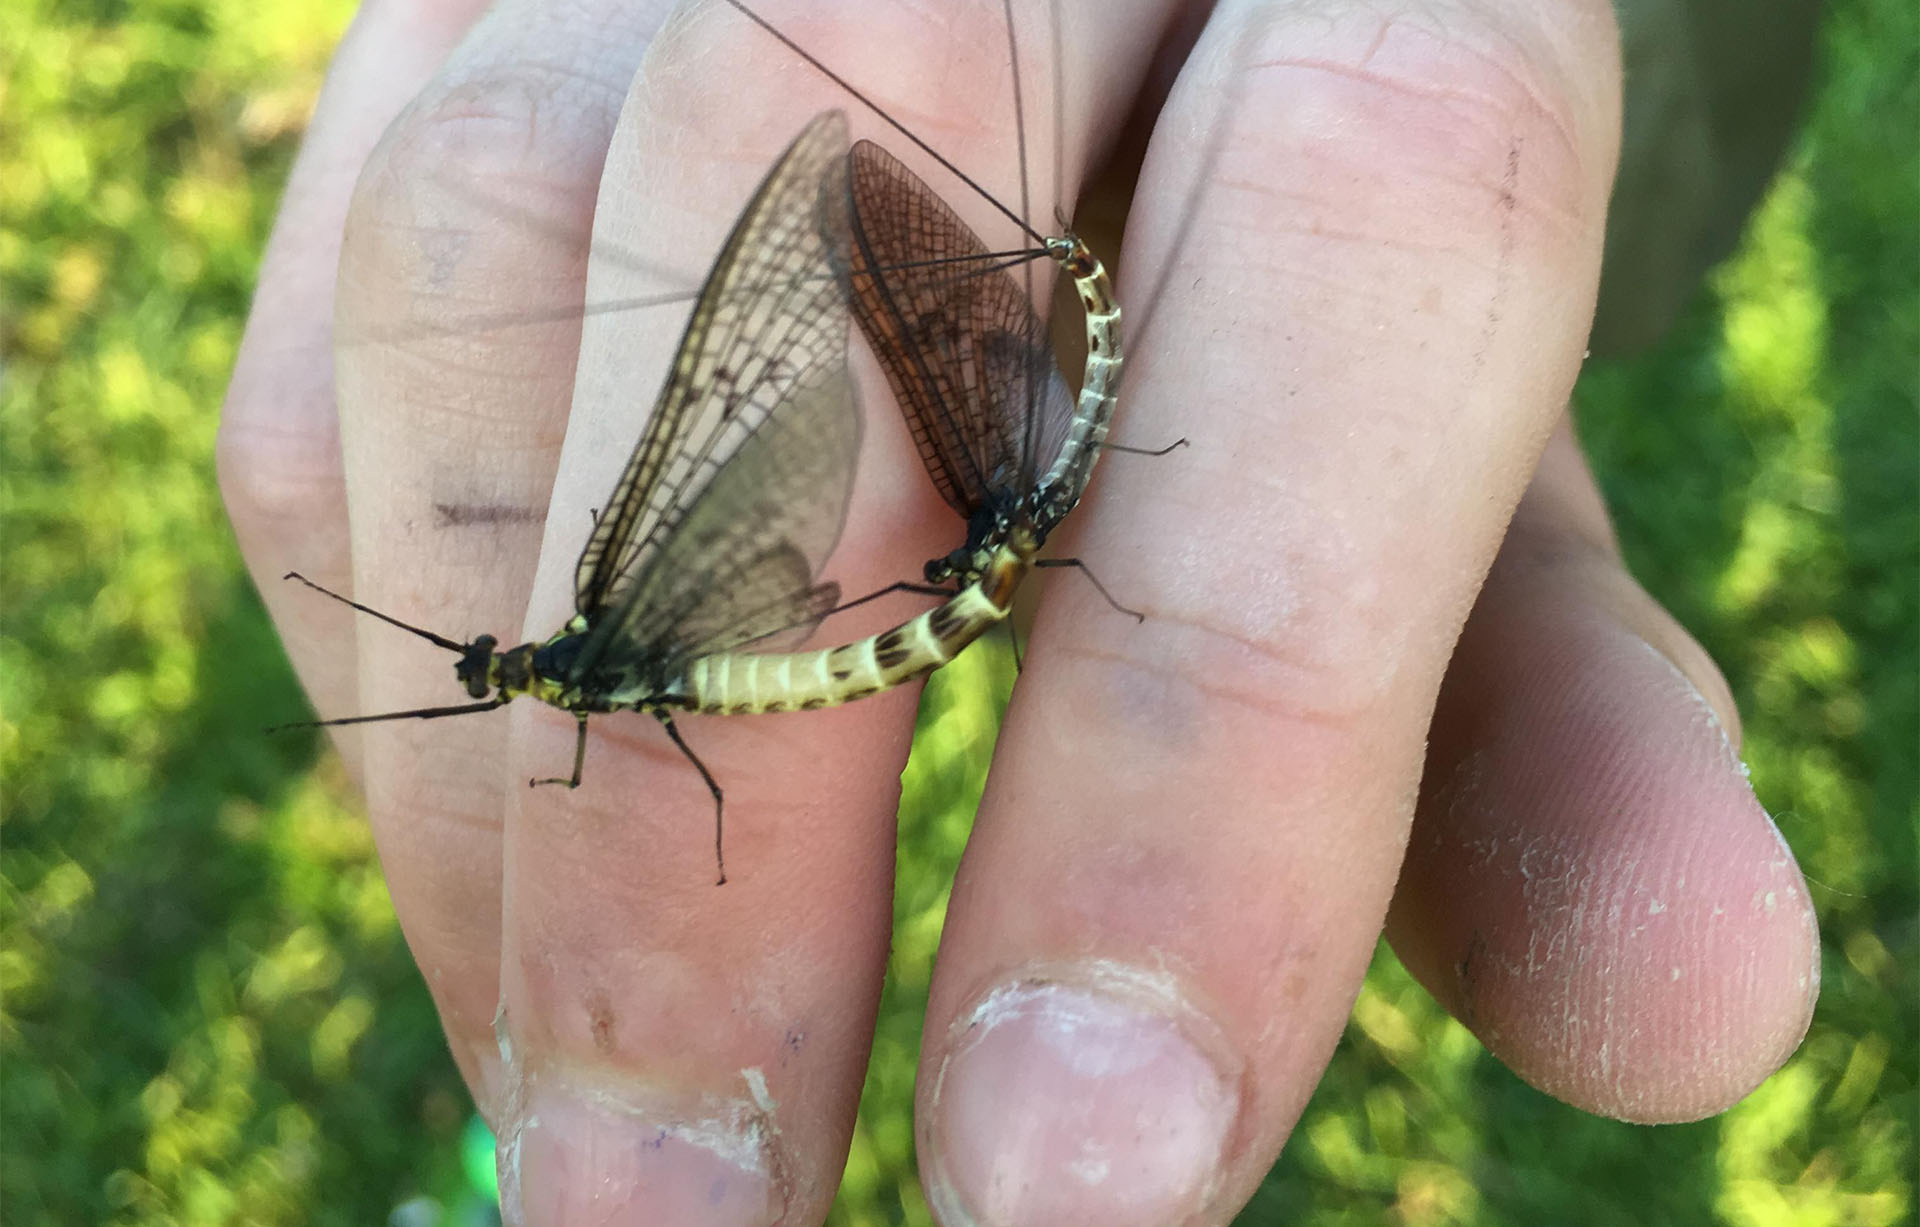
[209,1015]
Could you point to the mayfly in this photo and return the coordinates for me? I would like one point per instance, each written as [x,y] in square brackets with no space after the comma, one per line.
[734,495]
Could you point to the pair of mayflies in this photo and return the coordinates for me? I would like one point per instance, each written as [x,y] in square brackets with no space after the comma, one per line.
[735,494]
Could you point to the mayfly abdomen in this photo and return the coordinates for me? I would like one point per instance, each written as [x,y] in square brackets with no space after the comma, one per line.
[1100,382]
[745,683]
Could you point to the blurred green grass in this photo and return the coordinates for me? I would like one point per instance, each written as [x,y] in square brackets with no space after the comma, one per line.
[208,1015]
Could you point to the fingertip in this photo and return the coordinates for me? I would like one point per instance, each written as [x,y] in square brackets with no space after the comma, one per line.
[1592,885]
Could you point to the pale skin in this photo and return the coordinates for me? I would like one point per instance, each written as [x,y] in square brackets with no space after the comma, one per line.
[1381,292]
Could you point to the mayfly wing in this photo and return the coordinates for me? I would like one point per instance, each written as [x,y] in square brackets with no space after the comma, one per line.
[966,356]
[745,503]
[1033,394]
[773,603]
[765,323]
[740,562]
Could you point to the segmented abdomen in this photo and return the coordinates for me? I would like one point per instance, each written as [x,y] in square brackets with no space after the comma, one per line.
[742,683]
[1100,386]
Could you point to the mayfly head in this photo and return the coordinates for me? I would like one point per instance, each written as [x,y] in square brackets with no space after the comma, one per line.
[992,523]
[478,670]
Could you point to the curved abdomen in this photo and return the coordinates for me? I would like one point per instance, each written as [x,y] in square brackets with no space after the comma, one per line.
[1067,477]
[741,683]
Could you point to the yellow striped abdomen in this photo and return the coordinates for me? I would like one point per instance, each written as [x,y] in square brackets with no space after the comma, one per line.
[742,683]
[1100,386]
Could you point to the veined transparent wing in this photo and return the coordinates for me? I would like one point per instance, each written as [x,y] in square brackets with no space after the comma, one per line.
[770,321]
[740,564]
[963,350]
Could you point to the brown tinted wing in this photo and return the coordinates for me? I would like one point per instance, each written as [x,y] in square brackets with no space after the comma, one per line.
[963,351]
[1031,384]
[770,322]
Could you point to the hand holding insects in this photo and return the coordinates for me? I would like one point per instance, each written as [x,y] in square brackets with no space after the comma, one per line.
[1359,271]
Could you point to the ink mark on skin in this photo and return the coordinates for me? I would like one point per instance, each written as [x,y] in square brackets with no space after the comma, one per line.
[601,1019]
[465,515]
[1509,205]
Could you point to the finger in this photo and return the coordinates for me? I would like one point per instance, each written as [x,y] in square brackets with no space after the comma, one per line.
[1193,826]
[1698,148]
[693,1050]
[1591,885]
[279,446]
[468,229]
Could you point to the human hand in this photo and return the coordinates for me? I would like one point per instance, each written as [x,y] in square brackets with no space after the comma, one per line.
[1383,231]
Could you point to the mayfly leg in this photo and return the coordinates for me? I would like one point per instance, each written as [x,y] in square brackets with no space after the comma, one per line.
[1080,565]
[889,590]
[579,757]
[1124,450]
[713,786]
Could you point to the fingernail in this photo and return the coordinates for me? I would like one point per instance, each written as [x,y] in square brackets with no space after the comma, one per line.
[1079,1099]
[581,1161]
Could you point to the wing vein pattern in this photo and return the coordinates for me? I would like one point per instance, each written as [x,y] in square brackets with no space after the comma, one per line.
[963,350]
[737,491]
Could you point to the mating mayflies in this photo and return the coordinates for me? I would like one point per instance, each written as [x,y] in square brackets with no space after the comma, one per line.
[969,362]
[734,495]
[736,492]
